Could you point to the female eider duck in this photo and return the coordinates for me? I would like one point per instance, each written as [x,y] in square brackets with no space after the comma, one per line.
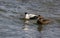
[43,21]
[39,16]
[30,16]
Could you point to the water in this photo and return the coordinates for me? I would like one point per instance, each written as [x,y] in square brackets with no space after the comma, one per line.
[12,26]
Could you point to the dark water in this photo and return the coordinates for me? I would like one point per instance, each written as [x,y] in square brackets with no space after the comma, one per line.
[11,26]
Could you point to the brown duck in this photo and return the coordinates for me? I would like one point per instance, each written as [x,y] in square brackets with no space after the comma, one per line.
[39,16]
[43,21]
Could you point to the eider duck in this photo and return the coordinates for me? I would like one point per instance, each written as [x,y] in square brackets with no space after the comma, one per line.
[39,16]
[30,16]
[43,21]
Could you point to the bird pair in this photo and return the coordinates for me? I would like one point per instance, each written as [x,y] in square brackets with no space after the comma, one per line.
[40,19]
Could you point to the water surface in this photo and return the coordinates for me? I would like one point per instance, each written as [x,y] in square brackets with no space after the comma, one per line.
[12,26]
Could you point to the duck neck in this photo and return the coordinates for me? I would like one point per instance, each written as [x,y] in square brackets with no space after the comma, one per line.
[26,16]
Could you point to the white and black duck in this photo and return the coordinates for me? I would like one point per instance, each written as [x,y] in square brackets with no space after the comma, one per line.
[30,16]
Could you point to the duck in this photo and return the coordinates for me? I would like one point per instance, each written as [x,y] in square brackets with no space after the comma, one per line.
[30,16]
[43,21]
[39,16]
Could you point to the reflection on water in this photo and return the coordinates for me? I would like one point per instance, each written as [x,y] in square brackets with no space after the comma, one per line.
[30,29]
[13,27]
[40,27]
[26,25]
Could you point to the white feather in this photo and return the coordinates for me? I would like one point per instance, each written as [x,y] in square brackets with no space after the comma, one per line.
[28,16]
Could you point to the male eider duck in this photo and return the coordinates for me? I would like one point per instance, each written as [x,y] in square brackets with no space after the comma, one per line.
[43,21]
[30,16]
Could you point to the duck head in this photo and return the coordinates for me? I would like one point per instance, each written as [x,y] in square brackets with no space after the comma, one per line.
[25,13]
[40,17]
